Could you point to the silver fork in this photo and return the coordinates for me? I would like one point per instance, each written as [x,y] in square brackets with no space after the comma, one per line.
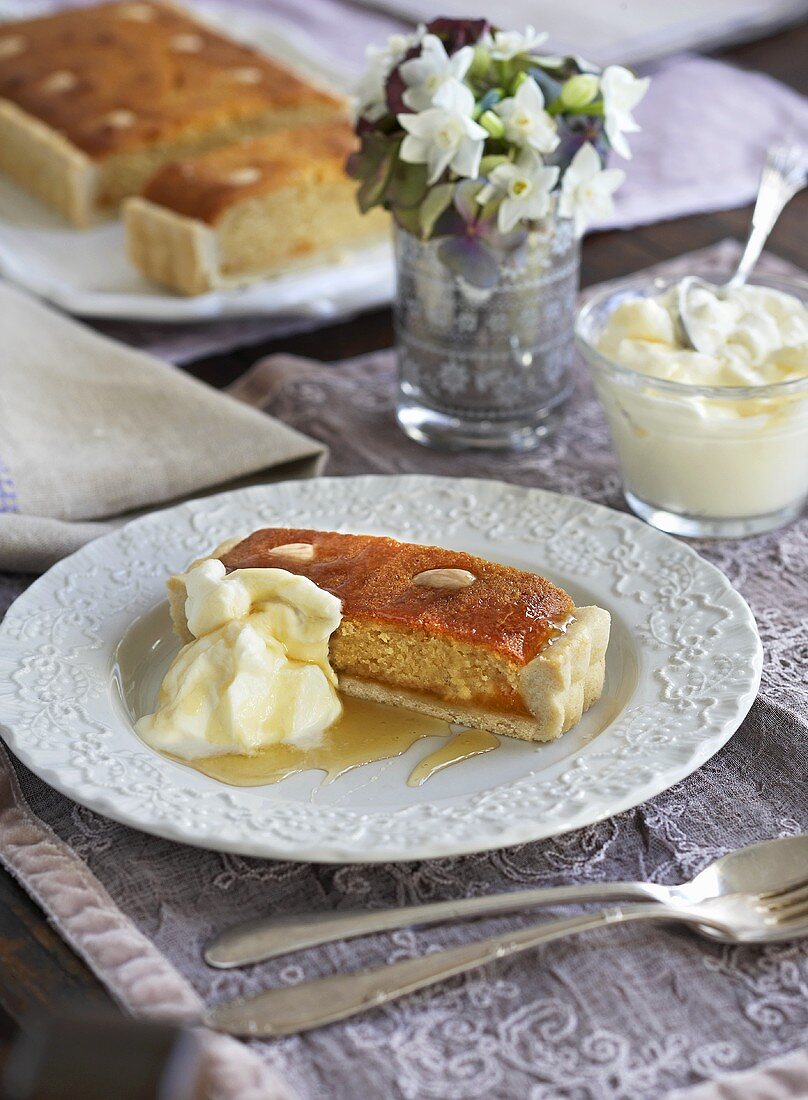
[762,918]
[771,865]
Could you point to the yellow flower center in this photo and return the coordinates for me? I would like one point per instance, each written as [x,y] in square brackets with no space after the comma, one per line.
[447,136]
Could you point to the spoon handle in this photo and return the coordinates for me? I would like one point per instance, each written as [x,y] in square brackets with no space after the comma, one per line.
[291,1009]
[783,175]
[268,937]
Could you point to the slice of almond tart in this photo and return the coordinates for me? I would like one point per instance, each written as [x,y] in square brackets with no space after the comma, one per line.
[440,631]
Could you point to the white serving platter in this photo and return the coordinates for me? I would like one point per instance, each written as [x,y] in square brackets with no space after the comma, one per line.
[86,272]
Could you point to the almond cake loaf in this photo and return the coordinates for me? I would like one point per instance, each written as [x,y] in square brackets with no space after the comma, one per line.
[94,100]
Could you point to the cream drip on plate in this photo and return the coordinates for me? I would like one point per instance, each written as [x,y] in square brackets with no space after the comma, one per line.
[750,336]
[256,672]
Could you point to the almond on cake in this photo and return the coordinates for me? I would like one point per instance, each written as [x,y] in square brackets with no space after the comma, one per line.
[94,100]
[440,631]
[249,210]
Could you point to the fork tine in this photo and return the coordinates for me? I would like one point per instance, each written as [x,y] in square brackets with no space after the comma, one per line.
[785,893]
[787,915]
[788,907]
[790,921]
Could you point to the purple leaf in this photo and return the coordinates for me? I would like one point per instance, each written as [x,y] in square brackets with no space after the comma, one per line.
[396,86]
[457,33]
[575,131]
[353,165]
[471,260]
[364,126]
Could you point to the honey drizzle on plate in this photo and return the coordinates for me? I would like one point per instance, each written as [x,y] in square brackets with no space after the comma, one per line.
[461,747]
[366,733]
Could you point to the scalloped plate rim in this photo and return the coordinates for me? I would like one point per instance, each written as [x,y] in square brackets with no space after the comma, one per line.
[101,801]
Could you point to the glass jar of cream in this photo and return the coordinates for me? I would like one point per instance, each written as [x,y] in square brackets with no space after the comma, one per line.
[712,443]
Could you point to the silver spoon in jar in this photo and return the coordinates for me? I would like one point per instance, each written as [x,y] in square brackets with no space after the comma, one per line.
[783,175]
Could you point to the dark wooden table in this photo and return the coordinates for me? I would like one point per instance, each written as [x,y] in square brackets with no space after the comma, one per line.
[37,969]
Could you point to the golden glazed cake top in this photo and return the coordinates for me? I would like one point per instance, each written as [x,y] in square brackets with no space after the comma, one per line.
[122,76]
[204,186]
[380,580]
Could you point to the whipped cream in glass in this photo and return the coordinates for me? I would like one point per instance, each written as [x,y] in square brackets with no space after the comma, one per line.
[711,442]
[256,672]
[752,336]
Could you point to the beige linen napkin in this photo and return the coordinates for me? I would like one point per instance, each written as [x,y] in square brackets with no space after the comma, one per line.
[783,1078]
[92,432]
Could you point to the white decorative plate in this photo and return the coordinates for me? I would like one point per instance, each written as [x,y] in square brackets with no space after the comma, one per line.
[85,647]
[86,272]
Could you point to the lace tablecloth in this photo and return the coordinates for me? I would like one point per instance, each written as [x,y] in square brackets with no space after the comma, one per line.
[625,1013]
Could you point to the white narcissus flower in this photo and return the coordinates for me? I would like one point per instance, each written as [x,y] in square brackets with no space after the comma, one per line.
[508,44]
[526,186]
[525,119]
[587,188]
[425,74]
[370,97]
[445,135]
[621,91]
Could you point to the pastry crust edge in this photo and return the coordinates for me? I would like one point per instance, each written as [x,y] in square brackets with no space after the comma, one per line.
[48,166]
[182,253]
[171,249]
[559,685]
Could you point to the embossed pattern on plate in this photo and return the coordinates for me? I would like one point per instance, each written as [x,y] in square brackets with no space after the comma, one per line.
[84,647]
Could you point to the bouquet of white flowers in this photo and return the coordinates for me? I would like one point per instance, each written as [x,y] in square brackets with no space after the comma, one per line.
[469,135]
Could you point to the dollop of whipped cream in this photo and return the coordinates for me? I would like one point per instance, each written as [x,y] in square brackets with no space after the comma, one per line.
[751,336]
[257,671]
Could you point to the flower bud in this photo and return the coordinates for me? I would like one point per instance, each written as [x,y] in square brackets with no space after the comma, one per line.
[519,80]
[579,91]
[481,63]
[491,122]
[492,96]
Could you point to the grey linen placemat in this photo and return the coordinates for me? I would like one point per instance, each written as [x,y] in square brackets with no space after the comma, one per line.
[625,1013]
[92,432]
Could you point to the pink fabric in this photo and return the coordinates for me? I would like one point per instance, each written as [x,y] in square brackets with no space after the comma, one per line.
[137,975]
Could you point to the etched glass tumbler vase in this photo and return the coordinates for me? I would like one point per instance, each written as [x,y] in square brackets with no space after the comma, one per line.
[485,368]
